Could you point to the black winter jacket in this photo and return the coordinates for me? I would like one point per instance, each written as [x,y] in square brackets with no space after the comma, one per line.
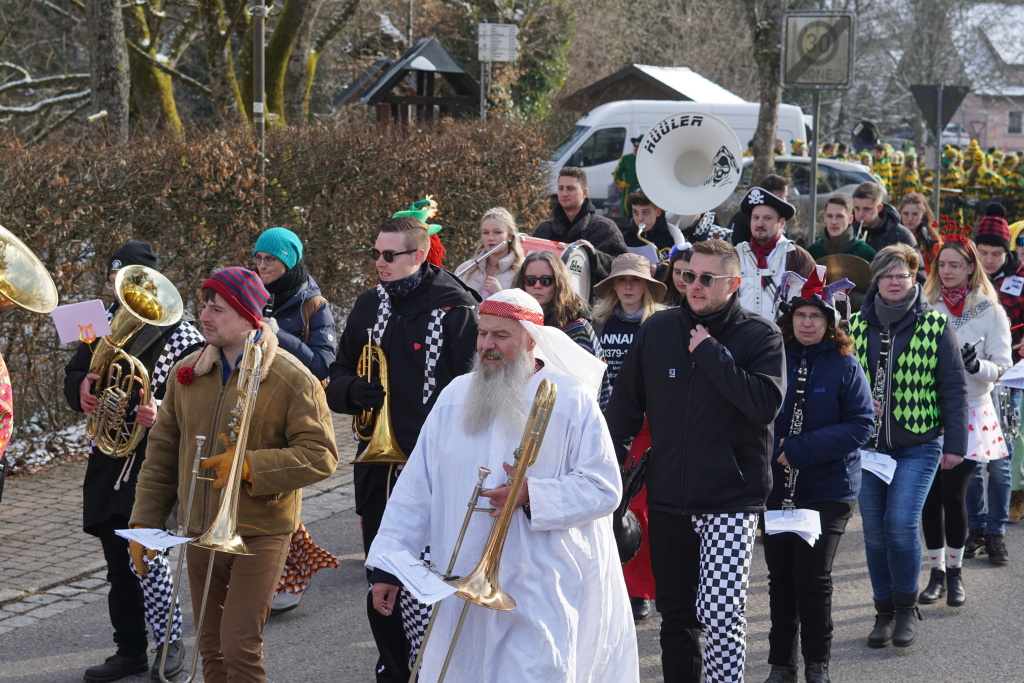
[838,421]
[711,412]
[888,230]
[318,353]
[949,378]
[404,344]
[587,225]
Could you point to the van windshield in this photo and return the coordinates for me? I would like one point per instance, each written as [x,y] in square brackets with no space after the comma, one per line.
[568,141]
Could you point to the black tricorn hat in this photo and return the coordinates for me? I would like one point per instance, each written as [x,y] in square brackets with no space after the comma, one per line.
[759,196]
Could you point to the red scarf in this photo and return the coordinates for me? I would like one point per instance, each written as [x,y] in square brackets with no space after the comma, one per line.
[762,252]
[954,299]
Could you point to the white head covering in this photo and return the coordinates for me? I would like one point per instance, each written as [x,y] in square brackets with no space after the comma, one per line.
[554,347]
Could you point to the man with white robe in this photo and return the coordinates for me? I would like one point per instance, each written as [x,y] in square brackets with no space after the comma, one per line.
[572,621]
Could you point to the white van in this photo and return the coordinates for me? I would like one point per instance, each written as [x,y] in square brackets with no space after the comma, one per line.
[600,138]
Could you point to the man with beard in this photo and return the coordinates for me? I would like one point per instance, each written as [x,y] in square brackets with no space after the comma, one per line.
[572,619]
[739,225]
[423,318]
[574,217]
[709,376]
[769,253]
[879,223]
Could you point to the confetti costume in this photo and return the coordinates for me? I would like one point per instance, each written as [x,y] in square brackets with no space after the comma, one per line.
[6,407]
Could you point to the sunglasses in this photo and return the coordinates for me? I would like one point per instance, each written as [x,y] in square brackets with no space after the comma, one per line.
[389,255]
[545,280]
[706,279]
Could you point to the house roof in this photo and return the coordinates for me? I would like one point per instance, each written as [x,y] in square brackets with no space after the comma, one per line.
[677,82]
[356,87]
[427,55]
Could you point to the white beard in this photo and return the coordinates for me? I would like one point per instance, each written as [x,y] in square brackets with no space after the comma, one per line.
[497,400]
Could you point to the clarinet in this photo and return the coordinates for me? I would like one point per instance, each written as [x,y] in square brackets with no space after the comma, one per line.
[795,427]
[878,391]
[1009,419]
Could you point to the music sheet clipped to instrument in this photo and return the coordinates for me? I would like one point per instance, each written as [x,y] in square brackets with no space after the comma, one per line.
[154,539]
[416,577]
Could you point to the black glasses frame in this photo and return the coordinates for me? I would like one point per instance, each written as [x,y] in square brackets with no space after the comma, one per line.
[389,256]
[546,280]
[706,279]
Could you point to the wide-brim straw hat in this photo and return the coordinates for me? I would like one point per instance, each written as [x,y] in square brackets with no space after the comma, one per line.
[636,266]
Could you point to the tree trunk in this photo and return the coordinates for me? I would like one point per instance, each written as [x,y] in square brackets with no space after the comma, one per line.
[279,50]
[765,19]
[152,89]
[226,95]
[298,75]
[108,59]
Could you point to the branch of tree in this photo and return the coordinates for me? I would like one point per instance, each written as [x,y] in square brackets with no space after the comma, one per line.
[45,103]
[334,26]
[187,80]
[43,81]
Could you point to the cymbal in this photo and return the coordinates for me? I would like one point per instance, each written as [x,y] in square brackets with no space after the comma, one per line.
[856,269]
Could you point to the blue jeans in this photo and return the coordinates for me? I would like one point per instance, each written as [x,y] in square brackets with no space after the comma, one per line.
[891,515]
[994,520]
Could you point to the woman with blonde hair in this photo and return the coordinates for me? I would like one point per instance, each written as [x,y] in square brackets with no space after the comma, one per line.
[958,288]
[495,272]
[917,215]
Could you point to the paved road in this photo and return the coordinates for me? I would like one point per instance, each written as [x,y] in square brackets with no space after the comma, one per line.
[51,635]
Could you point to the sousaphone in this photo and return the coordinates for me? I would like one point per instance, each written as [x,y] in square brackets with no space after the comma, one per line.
[24,282]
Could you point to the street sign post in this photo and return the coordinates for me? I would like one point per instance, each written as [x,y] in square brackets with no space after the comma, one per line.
[938,103]
[496,43]
[817,53]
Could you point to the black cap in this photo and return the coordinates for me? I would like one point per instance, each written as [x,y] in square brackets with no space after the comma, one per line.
[758,195]
[133,254]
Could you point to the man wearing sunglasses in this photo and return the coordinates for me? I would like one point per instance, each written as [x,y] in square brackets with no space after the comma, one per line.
[709,375]
[769,253]
[424,320]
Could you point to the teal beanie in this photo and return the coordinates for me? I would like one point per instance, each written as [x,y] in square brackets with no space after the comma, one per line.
[282,243]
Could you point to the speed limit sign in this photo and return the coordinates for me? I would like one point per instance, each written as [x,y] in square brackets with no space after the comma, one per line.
[818,50]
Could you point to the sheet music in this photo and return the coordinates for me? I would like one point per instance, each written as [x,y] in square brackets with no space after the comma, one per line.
[648,251]
[1014,377]
[154,539]
[879,464]
[804,523]
[416,577]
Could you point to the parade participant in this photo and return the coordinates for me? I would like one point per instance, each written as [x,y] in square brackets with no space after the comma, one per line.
[302,320]
[544,277]
[574,217]
[424,320]
[740,222]
[909,181]
[571,620]
[918,389]
[958,288]
[6,411]
[878,223]
[655,231]
[769,253]
[828,150]
[675,288]
[838,237]
[816,466]
[883,165]
[496,272]
[709,375]
[140,590]
[625,177]
[842,152]
[290,445]
[916,214]
[703,227]
[1010,170]
[952,178]
[1003,266]
[798,148]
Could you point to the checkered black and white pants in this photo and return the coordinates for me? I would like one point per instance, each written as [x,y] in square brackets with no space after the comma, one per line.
[701,567]
[157,587]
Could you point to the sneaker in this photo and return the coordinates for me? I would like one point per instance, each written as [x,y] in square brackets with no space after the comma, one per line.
[975,543]
[782,674]
[116,668]
[175,662]
[1016,506]
[641,608]
[284,602]
[995,546]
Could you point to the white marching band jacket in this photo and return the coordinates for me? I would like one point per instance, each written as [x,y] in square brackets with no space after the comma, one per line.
[752,296]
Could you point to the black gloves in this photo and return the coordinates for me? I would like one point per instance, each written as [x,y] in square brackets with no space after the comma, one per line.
[970,355]
[366,394]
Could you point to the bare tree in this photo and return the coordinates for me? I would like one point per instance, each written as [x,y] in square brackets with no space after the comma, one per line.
[765,20]
[108,59]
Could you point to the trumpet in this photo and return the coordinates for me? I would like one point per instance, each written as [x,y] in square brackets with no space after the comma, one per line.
[481,586]
[383,448]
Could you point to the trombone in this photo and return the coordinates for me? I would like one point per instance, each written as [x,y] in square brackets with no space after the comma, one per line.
[222,536]
[481,586]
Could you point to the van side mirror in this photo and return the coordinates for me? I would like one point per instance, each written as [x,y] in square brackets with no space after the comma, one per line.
[576,158]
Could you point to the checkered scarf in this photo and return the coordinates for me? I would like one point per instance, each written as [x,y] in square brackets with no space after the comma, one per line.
[434,340]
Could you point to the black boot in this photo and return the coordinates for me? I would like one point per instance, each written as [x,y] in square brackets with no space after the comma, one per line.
[881,634]
[975,543]
[174,663]
[907,616]
[936,588]
[782,674]
[816,672]
[956,595]
[641,608]
[116,668]
[995,546]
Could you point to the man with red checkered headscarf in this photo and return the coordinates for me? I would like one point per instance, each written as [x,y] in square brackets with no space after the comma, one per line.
[290,445]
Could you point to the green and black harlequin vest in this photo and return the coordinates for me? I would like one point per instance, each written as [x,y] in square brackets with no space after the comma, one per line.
[914,401]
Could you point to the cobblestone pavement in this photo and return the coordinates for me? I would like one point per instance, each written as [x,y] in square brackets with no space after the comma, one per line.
[49,565]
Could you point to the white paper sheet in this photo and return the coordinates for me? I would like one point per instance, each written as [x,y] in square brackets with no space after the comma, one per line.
[804,523]
[85,321]
[879,464]
[1014,377]
[154,539]
[648,251]
[416,577]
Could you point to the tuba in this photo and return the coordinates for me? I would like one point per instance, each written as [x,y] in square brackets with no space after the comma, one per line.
[146,298]
[24,282]
[383,448]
